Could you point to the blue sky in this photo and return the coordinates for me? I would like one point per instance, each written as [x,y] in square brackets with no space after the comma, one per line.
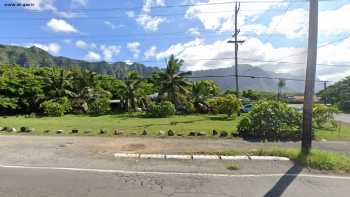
[148,31]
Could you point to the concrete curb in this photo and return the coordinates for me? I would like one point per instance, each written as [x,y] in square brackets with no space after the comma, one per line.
[200,157]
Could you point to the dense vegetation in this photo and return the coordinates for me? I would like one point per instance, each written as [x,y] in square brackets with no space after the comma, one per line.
[54,91]
[275,120]
[338,94]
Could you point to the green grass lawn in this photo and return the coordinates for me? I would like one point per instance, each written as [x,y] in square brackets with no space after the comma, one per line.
[129,124]
[136,124]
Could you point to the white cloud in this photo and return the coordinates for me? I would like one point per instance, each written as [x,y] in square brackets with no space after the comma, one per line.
[109,51]
[151,52]
[150,23]
[59,25]
[151,3]
[134,47]
[294,23]
[193,31]
[145,19]
[333,21]
[196,54]
[52,48]
[93,57]
[221,18]
[84,45]
[130,14]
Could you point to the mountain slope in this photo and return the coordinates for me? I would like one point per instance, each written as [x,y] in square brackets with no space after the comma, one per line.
[35,56]
[245,83]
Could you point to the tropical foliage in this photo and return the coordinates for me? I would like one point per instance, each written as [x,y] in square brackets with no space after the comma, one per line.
[338,94]
[271,120]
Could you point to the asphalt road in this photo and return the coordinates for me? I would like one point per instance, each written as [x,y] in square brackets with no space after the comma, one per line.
[17,182]
[32,166]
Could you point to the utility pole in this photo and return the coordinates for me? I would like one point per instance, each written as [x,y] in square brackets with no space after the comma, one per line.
[306,142]
[236,42]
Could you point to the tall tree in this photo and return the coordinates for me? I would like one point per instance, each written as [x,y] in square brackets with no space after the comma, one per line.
[281,84]
[130,90]
[59,83]
[172,80]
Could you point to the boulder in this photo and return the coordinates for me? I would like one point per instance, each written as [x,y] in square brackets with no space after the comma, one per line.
[144,132]
[6,129]
[161,133]
[12,130]
[1,128]
[223,134]
[180,134]
[118,132]
[201,134]
[214,132]
[171,132]
[75,131]
[59,131]
[192,133]
[47,131]
[103,131]
[23,129]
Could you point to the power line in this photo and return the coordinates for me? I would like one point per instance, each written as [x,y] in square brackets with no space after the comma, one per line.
[320,46]
[174,6]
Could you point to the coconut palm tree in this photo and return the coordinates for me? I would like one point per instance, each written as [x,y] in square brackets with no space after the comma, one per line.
[129,91]
[172,81]
[281,84]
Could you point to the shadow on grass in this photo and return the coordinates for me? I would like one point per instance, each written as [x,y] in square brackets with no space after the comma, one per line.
[285,181]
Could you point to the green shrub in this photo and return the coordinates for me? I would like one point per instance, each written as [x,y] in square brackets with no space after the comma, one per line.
[323,115]
[226,104]
[100,105]
[271,120]
[189,108]
[52,108]
[162,110]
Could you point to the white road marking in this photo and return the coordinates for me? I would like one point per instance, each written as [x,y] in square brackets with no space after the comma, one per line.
[152,156]
[178,157]
[175,173]
[208,157]
[234,157]
[200,157]
[272,158]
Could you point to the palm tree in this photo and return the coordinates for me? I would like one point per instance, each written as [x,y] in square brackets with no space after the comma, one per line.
[281,84]
[129,92]
[59,84]
[172,82]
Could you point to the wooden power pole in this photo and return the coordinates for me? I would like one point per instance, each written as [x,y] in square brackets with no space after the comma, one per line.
[236,42]
[306,143]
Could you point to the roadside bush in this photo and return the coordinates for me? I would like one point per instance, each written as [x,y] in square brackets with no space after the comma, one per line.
[162,110]
[100,105]
[52,108]
[226,104]
[272,120]
[323,115]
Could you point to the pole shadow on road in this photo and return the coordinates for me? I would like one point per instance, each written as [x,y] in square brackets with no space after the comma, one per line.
[284,181]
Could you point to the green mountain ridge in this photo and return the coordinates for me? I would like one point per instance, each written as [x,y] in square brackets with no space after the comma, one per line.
[35,56]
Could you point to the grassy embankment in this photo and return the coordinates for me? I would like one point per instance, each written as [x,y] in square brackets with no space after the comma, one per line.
[136,124]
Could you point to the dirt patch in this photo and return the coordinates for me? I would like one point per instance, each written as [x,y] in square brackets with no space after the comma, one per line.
[133,147]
